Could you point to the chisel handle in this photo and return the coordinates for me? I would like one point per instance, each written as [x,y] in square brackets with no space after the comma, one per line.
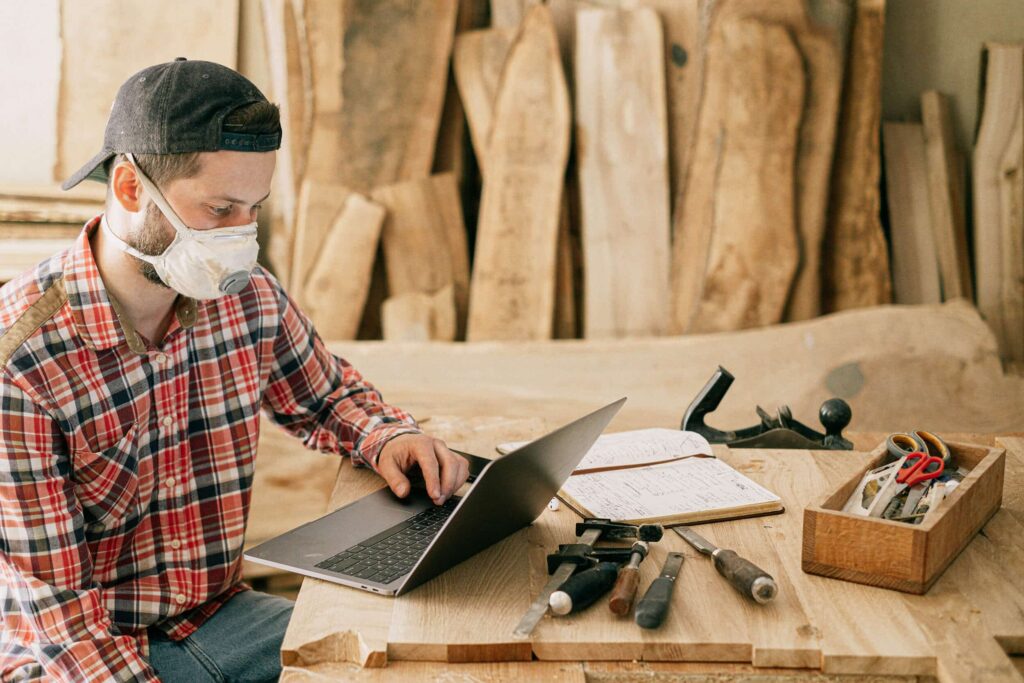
[624,591]
[651,609]
[745,576]
[583,589]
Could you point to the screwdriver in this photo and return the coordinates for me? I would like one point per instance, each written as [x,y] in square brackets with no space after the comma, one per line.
[745,576]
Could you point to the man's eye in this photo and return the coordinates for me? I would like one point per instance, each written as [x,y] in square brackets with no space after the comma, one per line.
[221,210]
[257,207]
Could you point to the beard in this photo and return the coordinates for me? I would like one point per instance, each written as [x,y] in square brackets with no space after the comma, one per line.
[151,239]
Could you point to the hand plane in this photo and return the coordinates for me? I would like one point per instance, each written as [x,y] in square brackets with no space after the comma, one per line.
[780,431]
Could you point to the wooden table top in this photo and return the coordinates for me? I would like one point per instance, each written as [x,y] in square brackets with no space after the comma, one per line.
[458,626]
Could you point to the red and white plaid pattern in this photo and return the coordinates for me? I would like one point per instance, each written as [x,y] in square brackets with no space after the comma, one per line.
[126,469]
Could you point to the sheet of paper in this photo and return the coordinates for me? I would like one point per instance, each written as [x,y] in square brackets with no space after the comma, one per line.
[637,447]
[668,490]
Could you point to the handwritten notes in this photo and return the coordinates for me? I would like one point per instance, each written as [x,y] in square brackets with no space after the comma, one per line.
[634,448]
[685,490]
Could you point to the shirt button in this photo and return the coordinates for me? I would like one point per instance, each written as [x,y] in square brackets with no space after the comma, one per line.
[180,599]
[170,482]
[160,358]
[175,544]
[168,421]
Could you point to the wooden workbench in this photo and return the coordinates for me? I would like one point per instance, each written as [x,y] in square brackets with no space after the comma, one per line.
[459,625]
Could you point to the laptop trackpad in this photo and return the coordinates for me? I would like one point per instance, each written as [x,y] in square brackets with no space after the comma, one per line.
[370,515]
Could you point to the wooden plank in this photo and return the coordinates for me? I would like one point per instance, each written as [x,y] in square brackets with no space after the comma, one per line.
[1012,191]
[336,288]
[477,60]
[856,267]
[513,279]
[752,251]
[510,13]
[291,88]
[319,204]
[947,203]
[998,189]
[433,672]
[819,29]
[37,210]
[622,157]
[684,66]
[103,45]
[883,639]
[417,316]
[894,365]
[964,647]
[18,254]
[820,37]
[424,239]
[398,51]
[20,231]
[915,267]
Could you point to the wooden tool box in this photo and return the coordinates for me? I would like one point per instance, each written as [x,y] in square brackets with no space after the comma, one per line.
[898,555]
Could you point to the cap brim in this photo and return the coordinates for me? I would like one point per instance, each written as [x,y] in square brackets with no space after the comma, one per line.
[93,170]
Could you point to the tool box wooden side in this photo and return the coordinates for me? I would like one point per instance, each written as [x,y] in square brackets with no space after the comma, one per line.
[897,555]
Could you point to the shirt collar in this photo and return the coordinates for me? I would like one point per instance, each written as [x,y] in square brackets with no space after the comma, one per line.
[100,320]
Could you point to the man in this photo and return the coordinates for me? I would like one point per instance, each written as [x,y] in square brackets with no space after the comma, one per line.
[135,367]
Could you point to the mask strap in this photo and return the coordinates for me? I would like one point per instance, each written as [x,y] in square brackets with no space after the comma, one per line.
[122,245]
[158,198]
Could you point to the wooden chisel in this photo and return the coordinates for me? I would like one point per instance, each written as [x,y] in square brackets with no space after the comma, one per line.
[651,609]
[745,576]
[624,591]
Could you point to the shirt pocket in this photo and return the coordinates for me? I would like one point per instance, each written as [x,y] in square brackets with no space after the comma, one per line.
[107,482]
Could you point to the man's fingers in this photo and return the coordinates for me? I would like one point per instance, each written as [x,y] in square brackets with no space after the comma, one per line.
[393,475]
[454,468]
[424,455]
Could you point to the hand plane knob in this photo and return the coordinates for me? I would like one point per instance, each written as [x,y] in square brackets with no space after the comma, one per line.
[835,415]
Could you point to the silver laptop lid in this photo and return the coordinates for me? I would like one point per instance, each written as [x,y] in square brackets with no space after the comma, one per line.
[509,494]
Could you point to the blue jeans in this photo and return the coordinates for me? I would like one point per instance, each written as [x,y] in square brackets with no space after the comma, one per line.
[240,642]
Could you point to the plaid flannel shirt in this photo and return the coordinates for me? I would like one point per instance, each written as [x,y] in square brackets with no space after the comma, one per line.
[126,469]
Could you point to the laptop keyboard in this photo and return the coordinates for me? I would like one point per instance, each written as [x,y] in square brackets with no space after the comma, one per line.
[391,553]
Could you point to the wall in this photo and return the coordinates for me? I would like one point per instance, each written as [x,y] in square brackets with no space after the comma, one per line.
[936,44]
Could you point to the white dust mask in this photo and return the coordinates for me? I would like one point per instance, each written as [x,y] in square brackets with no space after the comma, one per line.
[201,264]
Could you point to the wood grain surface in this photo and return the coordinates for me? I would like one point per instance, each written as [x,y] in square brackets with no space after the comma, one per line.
[946,197]
[335,291]
[399,52]
[424,241]
[513,282]
[998,176]
[753,251]
[622,157]
[103,45]
[856,266]
[815,623]
[915,264]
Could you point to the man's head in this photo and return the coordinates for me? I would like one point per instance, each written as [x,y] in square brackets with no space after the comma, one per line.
[203,134]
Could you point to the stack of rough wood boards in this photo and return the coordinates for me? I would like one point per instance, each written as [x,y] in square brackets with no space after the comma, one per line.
[926,178]
[646,167]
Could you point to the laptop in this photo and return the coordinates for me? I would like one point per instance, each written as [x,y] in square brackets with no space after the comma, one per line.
[390,545]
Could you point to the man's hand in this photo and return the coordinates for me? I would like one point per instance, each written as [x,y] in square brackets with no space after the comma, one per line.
[443,471]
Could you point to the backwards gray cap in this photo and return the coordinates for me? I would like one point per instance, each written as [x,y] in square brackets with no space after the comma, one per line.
[176,107]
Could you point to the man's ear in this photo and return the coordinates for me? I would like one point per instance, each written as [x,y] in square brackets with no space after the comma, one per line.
[126,186]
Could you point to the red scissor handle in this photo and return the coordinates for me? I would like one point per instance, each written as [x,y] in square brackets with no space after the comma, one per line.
[919,467]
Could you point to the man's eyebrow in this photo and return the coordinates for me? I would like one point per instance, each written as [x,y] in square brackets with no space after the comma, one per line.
[233,200]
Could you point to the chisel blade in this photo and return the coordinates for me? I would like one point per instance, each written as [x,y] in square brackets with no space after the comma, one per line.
[539,607]
[695,539]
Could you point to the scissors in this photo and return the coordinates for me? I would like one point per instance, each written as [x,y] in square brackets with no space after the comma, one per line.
[917,468]
[900,445]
